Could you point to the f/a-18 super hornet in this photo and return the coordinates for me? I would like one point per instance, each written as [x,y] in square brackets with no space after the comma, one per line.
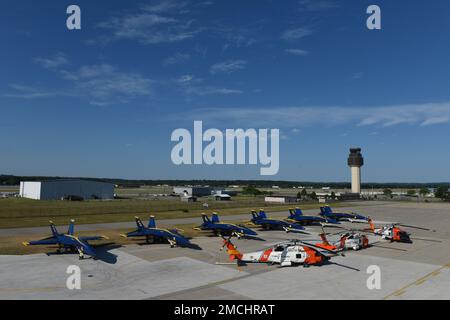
[68,242]
[152,234]
[296,215]
[224,229]
[260,219]
[328,213]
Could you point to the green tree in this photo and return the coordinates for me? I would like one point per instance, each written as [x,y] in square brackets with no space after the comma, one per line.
[442,193]
[313,195]
[411,192]
[387,192]
[304,193]
[251,190]
[424,191]
[333,195]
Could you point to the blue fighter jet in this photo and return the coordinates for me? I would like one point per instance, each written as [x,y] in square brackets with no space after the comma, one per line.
[68,242]
[296,215]
[152,233]
[328,213]
[260,219]
[224,229]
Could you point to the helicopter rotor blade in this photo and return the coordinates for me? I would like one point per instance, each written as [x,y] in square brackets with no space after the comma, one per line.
[313,246]
[430,240]
[396,249]
[344,266]
[415,227]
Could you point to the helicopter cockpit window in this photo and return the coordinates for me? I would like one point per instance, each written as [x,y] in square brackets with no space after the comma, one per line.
[279,249]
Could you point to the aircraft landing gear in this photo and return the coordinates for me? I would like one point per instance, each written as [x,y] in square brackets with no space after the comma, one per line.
[172,243]
[81,254]
[150,240]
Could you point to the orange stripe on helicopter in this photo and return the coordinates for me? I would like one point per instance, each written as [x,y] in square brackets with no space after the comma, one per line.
[265,256]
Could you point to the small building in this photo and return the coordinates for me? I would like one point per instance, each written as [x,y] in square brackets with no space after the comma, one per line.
[280,199]
[193,191]
[232,193]
[222,197]
[66,189]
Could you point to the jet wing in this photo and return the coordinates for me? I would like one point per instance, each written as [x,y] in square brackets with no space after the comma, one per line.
[93,238]
[137,233]
[46,241]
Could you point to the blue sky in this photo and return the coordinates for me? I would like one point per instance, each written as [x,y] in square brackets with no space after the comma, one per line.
[103,101]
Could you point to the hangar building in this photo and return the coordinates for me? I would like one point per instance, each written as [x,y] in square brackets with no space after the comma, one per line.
[60,189]
[193,191]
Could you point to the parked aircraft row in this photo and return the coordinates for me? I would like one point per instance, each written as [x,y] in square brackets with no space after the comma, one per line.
[287,253]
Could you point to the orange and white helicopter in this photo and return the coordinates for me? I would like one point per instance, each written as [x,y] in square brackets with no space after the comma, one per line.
[392,232]
[349,240]
[287,254]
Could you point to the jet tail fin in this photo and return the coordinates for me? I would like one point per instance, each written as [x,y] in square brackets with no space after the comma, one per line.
[262,214]
[53,228]
[215,218]
[139,223]
[152,222]
[291,213]
[71,227]
[205,218]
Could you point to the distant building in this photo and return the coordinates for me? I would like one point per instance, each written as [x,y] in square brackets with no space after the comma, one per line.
[193,191]
[222,197]
[232,193]
[280,199]
[66,189]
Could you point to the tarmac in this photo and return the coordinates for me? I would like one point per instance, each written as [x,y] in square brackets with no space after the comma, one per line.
[420,270]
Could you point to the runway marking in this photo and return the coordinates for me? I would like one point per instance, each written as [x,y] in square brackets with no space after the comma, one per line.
[418,282]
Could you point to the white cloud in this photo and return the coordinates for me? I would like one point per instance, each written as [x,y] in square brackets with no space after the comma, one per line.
[176,59]
[28,92]
[228,67]
[299,117]
[296,34]
[357,75]
[297,52]
[165,6]
[56,61]
[162,22]
[101,84]
[104,85]
[317,5]
[194,86]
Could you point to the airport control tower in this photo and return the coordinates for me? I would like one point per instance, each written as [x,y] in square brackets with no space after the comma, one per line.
[355,162]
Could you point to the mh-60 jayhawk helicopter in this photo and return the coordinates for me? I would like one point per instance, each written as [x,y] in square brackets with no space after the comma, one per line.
[287,254]
[348,240]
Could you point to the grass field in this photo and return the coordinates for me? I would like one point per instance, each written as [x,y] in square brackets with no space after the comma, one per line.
[17,212]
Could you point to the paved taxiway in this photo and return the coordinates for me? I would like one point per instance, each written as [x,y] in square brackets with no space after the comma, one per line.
[408,271]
